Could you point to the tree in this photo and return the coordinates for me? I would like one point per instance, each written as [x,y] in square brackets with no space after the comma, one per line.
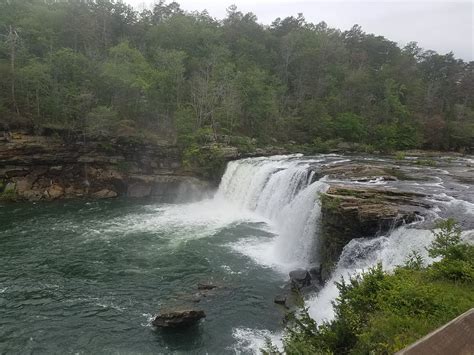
[12,39]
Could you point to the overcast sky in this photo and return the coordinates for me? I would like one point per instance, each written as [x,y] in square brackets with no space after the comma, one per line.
[435,24]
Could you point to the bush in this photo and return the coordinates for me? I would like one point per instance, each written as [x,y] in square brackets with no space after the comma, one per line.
[447,239]
[458,258]
[380,312]
[414,261]
[208,161]
[400,156]
[243,144]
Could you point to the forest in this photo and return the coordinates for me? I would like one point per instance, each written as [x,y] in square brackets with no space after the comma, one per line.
[100,68]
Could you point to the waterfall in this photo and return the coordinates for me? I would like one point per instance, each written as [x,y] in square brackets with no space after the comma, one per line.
[281,190]
[360,254]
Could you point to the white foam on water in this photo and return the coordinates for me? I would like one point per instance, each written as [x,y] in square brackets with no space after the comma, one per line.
[177,223]
[149,319]
[280,191]
[251,341]
[262,251]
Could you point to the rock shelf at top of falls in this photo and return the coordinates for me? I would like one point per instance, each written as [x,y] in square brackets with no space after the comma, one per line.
[350,212]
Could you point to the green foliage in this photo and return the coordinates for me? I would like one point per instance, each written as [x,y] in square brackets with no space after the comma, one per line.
[102,121]
[85,66]
[323,146]
[350,127]
[400,156]
[329,202]
[457,262]
[414,261]
[447,239]
[379,312]
[243,144]
[425,162]
[7,192]
[208,161]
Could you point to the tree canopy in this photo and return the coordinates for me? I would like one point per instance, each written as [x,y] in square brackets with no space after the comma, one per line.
[101,66]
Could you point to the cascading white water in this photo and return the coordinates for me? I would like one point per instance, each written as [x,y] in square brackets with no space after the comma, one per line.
[361,254]
[280,190]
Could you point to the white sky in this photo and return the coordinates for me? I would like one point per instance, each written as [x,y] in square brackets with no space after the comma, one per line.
[435,24]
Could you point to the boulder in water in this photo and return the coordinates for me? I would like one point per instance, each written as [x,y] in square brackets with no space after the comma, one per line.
[280,299]
[206,286]
[300,278]
[178,319]
[316,273]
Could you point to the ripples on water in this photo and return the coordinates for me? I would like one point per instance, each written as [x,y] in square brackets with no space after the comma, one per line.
[86,277]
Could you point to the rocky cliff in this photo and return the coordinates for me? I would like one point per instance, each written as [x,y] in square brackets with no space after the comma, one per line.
[48,167]
[351,208]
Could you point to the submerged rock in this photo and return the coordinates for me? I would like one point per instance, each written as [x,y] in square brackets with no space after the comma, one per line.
[206,286]
[178,319]
[196,298]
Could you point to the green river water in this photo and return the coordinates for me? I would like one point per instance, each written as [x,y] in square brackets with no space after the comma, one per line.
[85,277]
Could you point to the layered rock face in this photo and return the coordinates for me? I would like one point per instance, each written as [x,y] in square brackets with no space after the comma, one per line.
[47,168]
[351,211]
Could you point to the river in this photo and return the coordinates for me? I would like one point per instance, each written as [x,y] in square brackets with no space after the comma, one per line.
[85,277]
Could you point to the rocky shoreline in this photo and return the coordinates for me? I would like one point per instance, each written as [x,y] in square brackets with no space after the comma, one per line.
[34,168]
[51,167]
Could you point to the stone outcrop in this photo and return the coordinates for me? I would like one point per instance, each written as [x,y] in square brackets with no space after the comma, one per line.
[350,212]
[50,168]
[178,319]
[300,278]
[280,299]
[360,172]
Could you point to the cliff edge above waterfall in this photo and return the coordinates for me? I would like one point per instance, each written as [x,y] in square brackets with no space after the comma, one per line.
[369,197]
[350,212]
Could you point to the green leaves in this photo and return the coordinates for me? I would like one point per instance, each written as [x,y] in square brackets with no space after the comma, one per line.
[447,239]
[382,312]
[292,83]
[127,68]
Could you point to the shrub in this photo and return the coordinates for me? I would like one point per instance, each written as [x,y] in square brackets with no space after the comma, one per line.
[379,312]
[414,261]
[400,156]
[426,162]
[447,239]
[208,160]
